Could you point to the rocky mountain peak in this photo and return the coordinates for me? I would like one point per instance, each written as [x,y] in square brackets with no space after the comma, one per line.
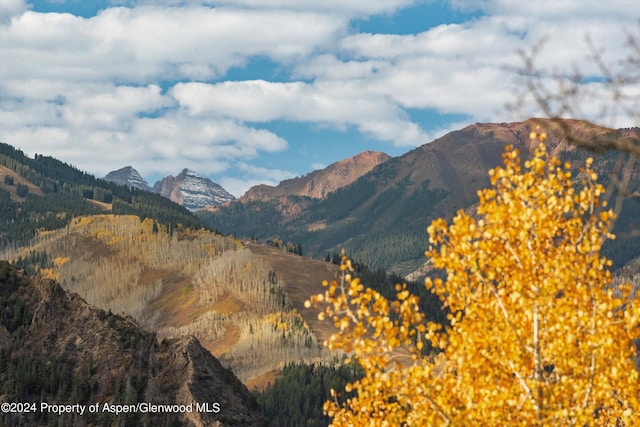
[190,173]
[127,176]
[319,183]
[192,191]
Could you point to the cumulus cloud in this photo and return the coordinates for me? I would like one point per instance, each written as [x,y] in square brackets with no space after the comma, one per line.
[469,68]
[253,175]
[337,7]
[336,103]
[79,108]
[153,43]
[550,10]
[10,9]
[143,82]
[155,146]
[68,82]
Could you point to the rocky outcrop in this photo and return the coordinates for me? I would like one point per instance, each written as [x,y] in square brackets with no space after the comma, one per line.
[319,183]
[127,176]
[59,350]
[192,191]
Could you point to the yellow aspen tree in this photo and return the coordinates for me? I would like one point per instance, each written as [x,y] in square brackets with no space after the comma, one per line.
[538,335]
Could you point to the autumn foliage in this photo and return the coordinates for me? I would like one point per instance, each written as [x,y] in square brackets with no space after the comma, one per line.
[538,334]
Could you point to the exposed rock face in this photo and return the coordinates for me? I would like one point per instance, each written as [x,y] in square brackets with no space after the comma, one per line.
[127,176]
[192,191]
[318,184]
[88,356]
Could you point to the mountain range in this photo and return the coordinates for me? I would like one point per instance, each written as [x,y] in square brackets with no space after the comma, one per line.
[124,277]
[187,188]
[195,192]
[318,184]
[381,217]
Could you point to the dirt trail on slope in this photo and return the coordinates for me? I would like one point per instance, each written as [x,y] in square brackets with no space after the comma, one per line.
[303,278]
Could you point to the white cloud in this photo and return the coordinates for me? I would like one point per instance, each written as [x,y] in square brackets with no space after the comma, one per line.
[253,175]
[276,175]
[329,67]
[348,8]
[77,107]
[115,109]
[98,92]
[551,9]
[485,40]
[10,9]
[239,186]
[151,43]
[335,103]
[470,68]
[318,166]
[206,145]
[154,145]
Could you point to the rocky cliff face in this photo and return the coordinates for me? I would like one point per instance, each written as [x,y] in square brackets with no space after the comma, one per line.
[56,349]
[127,176]
[192,191]
[318,184]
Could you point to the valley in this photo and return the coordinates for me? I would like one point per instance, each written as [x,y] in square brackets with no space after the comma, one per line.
[208,281]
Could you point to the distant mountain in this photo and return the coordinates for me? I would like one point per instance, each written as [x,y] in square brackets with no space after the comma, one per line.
[127,176]
[318,184]
[381,217]
[56,349]
[187,189]
[192,191]
[267,204]
[43,193]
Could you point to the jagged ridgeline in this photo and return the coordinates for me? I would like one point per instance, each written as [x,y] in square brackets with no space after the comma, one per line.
[178,283]
[45,193]
[58,350]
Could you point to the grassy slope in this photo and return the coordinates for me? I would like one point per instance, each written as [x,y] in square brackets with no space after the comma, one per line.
[241,304]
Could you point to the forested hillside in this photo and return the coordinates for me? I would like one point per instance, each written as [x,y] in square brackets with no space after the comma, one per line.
[58,350]
[178,283]
[541,332]
[45,193]
[381,217]
[296,399]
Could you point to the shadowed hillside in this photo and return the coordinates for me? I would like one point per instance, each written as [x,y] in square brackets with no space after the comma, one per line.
[55,348]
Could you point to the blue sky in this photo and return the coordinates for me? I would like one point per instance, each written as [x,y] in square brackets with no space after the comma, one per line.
[255,91]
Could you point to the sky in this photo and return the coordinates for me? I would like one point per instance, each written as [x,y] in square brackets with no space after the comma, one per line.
[250,92]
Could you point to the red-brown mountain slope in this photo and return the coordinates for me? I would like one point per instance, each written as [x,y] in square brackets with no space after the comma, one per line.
[318,184]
